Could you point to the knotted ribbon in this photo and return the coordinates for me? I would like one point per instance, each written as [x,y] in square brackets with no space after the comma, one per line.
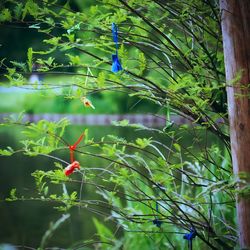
[156,221]
[73,147]
[189,237]
[116,65]
[73,164]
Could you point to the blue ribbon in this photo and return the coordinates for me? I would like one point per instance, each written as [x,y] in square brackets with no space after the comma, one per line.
[156,221]
[115,32]
[116,65]
[190,236]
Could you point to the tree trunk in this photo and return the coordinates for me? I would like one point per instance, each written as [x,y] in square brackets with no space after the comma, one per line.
[236,43]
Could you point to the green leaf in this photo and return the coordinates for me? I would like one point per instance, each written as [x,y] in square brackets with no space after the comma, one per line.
[75,60]
[143,142]
[50,61]
[74,28]
[30,56]
[86,136]
[71,38]
[142,63]
[177,147]
[101,80]
[104,232]
[45,52]
[30,8]
[122,123]
[20,65]
[13,196]
[52,41]
[5,15]
[6,152]
[18,10]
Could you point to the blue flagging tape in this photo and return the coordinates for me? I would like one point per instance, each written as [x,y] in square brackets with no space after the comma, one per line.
[156,221]
[116,65]
[189,237]
[115,32]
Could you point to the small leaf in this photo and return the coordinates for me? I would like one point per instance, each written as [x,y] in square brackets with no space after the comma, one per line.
[122,123]
[143,142]
[142,62]
[30,56]
[177,147]
[75,27]
[52,41]
[6,152]
[101,80]
[75,60]
[19,65]
[13,196]
[18,10]
[30,8]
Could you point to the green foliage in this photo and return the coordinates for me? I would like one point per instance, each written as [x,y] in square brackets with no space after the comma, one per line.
[75,60]
[13,196]
[30,56]
[7,152]
[43,137]
[18,10]
[5,15]
[101,80]
[142,63]
[19,65]
[177,147]
[56,177]
[143,142]
[171,53]
[74,28]
[30,8]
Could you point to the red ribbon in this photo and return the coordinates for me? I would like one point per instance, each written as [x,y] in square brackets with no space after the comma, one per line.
[73,147]
[71,168]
